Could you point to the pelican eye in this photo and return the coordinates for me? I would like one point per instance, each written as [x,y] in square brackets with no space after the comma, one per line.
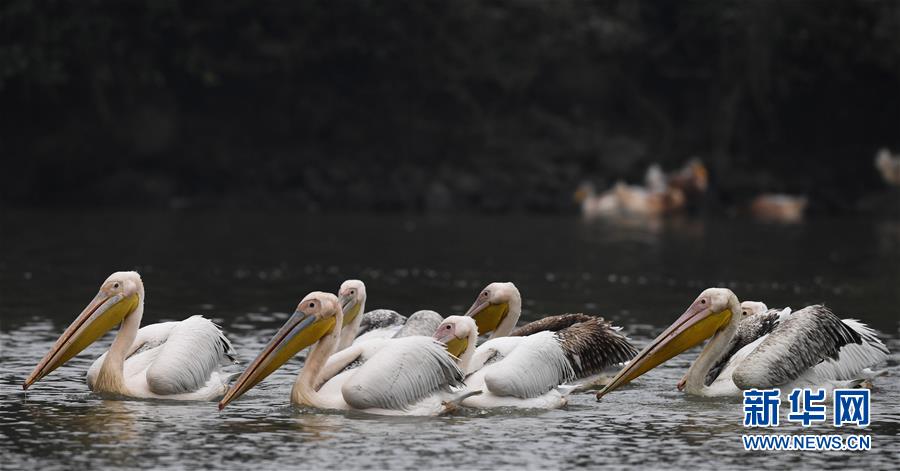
[116,284]
[312,305]
[702,301]
[447,326]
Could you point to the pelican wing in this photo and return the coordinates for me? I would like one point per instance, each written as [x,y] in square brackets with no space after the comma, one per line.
[350,358]
[379,319]
[148,338]
[853,358]
[401,373]
[537,365]
[338,363]
[194,350]
[594,345]
[749,330]
[807,338]
[493,351]
[420,323]
[551,323]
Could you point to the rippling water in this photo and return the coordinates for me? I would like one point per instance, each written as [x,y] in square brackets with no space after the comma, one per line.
[247,271]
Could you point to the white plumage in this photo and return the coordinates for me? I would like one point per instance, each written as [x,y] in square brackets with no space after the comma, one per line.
[519,372]
[169,360]
[175,360]
[402,373]
[406,376]
[535,367]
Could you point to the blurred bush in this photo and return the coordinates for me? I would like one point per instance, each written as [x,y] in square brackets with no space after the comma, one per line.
[493,105]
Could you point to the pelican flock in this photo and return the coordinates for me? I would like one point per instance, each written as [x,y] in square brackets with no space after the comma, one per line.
[411,375]
[382,363]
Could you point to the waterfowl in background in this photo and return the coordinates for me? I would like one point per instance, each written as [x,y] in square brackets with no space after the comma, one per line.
[807,348]
[692,178]
[779,207]
[594,205]
[170,360]
[888,166]
[648,202]
[407,376]
[661,194]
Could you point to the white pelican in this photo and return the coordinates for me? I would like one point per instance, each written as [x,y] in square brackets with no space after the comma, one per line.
[522,372]
[808,348]
[756,320]
[170,360]
[498,307]
[526,370]
[340,366]
[408,376]
[459,334]
[352,296]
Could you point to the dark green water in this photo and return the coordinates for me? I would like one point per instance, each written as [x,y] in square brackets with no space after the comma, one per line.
[246,271]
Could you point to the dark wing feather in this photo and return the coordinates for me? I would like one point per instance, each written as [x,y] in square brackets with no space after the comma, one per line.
[551,323]
[379,319]
[810,336]
[751,328]
[593,345]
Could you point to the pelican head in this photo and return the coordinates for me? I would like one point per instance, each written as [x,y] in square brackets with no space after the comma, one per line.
[118,297]
[455,332]
[492,306]
[352,297]
[749,308]
[317,315]
[709,313]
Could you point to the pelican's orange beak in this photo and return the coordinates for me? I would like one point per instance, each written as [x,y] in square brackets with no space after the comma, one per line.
[693,327]
[102,314]
[299,332]
[487,316]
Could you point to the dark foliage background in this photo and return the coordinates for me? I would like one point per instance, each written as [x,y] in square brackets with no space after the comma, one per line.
[489,105]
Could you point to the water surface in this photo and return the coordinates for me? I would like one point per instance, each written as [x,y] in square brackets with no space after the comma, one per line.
[247,271]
